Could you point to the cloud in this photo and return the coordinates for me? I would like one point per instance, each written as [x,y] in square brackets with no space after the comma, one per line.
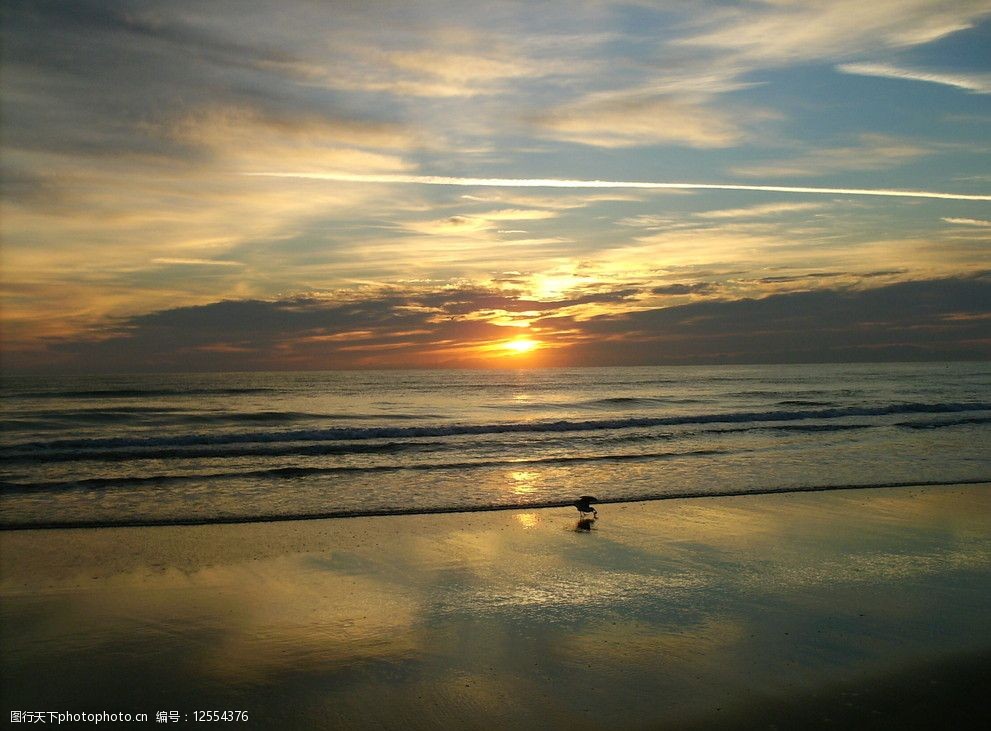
[788,32]
[921,320]
[130,69]
[651,222]
[759,211]
[872,153]
[197,262]
[477,222]
[636,121]
[120,165]
[240,126]
[948,318]
[451,61]
[979,222]
[677,289]
[553,202]
[457,67]
[558,183]
[739,252]
[126,128]
[726,47]
[978,83]
[788,278]
[431,72]
[412,326]
[518,214]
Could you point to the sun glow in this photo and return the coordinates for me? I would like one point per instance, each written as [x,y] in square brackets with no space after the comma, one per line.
[519,346]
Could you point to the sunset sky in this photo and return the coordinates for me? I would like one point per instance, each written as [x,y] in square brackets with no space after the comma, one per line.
[281,185]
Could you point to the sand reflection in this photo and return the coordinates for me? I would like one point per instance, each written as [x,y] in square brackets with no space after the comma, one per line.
[287,618]
[452,620]
[528,521]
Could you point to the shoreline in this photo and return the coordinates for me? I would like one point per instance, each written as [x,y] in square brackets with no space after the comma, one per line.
[394,512]
[723,613]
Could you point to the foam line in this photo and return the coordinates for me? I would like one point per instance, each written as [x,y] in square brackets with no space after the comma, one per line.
[226,520]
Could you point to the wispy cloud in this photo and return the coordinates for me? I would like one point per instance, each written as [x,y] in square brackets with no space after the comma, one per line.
[122,172]
[633,120]
[786,32]
[552,202]
[653,222]
[978,83]
[518,214]
[872,152]
[968,222]
[441,73]
[556,183]
[767,209]
[732,43]
[197,262]
[476,223]
[241,135]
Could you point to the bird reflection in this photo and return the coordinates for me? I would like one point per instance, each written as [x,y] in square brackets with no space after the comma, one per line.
[584,505]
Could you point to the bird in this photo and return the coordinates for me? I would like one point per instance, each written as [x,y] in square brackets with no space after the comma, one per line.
[584,505]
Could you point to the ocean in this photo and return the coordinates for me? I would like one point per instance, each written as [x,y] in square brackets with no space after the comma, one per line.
[202,448]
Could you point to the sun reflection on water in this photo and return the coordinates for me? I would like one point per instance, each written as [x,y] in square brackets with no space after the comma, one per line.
[523,482]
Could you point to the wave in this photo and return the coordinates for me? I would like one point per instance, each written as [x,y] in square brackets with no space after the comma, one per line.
[107,410]
[284,416]
[632,401]
[220,451]
[102,393]
[791,427]
[940,423]
[147,522]
[354,447]
[52,421]
[355,433]
[97,483]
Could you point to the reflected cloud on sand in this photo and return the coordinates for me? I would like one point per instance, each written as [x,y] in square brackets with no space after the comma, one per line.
[466,616]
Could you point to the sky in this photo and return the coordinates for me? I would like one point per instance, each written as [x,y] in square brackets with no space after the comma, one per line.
[231,186]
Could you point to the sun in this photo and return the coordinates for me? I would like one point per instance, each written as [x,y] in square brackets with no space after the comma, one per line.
[519,346]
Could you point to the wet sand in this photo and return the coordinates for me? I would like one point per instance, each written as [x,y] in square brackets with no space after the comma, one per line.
[853,609]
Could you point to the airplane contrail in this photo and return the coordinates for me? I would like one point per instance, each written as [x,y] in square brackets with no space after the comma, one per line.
[556,183]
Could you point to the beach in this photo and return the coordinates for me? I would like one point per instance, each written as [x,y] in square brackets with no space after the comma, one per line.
[853,608]
[318,321]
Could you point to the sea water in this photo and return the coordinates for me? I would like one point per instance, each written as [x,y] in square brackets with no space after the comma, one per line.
[150,449]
